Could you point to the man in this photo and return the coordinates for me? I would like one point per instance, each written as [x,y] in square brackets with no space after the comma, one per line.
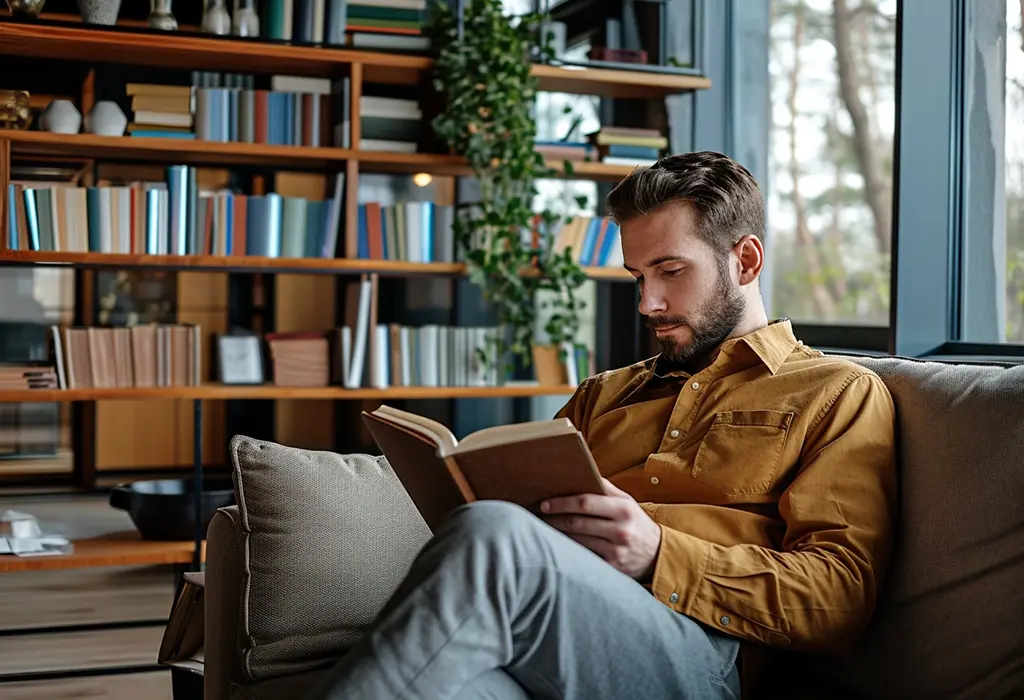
[751,488]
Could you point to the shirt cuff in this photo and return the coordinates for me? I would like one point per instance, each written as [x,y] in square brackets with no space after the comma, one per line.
[680,568]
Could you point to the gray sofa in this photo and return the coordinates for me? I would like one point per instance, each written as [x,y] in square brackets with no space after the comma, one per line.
[299,568]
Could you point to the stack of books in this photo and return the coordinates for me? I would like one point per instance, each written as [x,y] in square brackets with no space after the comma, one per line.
[387,24]
[389,124]
[618,145]
[576,151]
[163,111]
[300,359]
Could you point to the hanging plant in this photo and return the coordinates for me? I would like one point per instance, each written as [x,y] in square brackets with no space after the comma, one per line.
[487,88]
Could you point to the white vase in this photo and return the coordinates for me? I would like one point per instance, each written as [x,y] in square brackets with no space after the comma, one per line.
[106,119]
[60,117]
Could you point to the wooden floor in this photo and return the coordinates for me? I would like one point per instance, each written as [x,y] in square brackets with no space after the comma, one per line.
[40,611]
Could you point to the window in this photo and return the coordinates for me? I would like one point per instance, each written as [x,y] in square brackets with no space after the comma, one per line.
[832,86]
[1014,332]
[992,263]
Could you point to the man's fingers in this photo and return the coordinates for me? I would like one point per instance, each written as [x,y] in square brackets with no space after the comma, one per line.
[586,504]
[585,525]
[601,547]
[612,489]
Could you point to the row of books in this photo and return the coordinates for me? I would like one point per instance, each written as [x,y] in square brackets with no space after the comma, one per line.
[261,116]
[172,218]
[431,355]
[610,144]
[154,355]
[595,241]
[410,231]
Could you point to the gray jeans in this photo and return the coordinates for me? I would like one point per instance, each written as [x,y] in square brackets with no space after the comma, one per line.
[500,605]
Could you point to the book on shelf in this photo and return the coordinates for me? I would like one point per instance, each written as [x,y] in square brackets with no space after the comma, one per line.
[522,463]
[619,145]
[172,218]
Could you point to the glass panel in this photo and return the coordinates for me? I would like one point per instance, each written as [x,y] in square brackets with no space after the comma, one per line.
[1014,332]
[34,437]
[992,309]
[832,76]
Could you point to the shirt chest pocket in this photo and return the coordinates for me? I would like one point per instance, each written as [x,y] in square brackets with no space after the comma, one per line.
[741,452]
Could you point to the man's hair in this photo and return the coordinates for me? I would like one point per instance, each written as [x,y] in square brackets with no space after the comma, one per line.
[724,193]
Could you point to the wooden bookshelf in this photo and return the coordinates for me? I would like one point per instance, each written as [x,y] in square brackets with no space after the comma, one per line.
[116,549]
[133,45]
[213,392]
[252,263]
[192,152]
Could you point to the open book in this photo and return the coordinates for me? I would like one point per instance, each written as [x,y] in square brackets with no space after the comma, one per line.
[524,463]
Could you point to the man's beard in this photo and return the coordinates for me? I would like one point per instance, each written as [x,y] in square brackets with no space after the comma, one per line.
[719,316]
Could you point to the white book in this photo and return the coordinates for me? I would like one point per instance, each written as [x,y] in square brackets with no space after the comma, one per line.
[396,4]
[390,107]
[387,146]
[405,336]
[106,239]
[361,336]
[300,83]
[413,231]
[381,360]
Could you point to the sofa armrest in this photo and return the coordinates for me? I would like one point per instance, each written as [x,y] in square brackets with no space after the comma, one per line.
[223,599]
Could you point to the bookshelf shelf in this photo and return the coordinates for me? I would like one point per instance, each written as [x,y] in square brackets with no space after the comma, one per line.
[116,549]
[123,44]
[251,263]
[191,152]
[213,392]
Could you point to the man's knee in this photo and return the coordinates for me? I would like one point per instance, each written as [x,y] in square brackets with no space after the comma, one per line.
[493,519]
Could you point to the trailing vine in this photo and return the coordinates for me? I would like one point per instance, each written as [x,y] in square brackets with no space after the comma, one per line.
[484,77]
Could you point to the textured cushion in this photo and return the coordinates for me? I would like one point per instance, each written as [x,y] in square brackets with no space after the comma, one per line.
[326,539]
[950,623]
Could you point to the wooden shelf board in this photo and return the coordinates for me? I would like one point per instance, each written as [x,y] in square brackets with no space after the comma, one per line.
[116,549]
[136,45]
[170,150]
[214,392]
[129,44]
[229,263]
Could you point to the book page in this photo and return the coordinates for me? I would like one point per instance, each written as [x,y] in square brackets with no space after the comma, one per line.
[437,432]
[517,432]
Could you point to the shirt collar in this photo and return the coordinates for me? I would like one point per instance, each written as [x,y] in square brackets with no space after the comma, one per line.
[771,344]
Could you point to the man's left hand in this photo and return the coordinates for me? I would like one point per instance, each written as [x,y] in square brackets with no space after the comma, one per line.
[614,526]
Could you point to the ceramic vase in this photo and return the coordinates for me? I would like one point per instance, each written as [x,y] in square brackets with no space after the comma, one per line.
[99,11]
[60,117]
[246,21]
[106,119]
[161,16]
[216,19]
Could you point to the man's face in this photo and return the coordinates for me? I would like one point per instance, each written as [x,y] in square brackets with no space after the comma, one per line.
[687,290]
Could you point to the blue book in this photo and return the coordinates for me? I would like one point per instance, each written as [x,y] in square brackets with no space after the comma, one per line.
[363,235]
[12,217]
[590,240]
[427,216]
[33,218]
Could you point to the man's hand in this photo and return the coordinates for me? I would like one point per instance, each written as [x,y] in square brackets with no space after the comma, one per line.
[615,527]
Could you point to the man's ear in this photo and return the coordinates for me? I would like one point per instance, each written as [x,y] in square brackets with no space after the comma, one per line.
[750,254]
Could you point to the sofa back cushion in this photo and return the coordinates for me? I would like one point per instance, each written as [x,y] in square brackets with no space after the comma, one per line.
[326,539]
[950,623]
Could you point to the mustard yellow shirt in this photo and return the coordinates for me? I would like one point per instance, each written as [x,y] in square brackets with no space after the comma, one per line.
[772,474]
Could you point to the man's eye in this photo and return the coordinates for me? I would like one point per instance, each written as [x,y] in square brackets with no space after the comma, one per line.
[674,272]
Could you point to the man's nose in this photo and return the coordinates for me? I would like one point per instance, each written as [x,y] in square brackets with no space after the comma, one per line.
[651,302]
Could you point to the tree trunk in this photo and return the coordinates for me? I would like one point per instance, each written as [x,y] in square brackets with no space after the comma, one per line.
[864,147]
[824,304]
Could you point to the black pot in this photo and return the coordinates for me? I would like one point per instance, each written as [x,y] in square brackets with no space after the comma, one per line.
[162,509]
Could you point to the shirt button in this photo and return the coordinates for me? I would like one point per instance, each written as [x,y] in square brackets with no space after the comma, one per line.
[674,598]
[655,480]
[673,434]
[695,386]
[725,620]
